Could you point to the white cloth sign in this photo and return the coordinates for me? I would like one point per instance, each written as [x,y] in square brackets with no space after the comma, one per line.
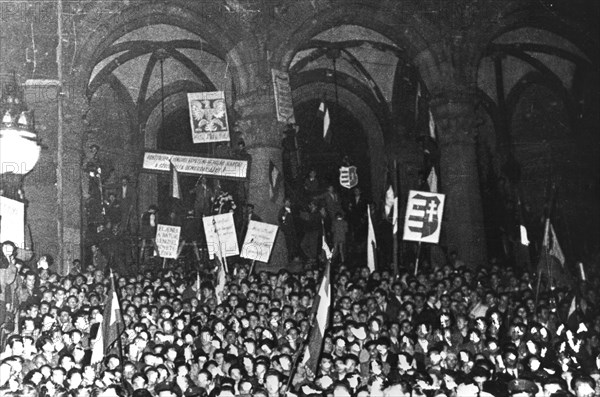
[167,240]
[221,237]
[259,241]
[208,117]
[209,166]
[423,220]
[12,215]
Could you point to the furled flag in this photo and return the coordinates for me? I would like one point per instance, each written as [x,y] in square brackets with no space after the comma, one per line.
[220,287]
[395,216]
[274,180]
[432,181]
[431,125]
[524,237]
[324,112]
[198,288]
[551,244]
[328,253]
[389,201]
[417,98]
[371,242]
[175,188]
[112,325]
[315,342]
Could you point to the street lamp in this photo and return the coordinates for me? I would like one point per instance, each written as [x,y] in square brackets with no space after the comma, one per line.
[19,153]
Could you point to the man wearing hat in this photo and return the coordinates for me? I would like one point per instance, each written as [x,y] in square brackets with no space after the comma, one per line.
[522,388]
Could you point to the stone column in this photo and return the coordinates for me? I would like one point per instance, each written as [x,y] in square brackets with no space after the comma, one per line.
[463,224]
[262,134]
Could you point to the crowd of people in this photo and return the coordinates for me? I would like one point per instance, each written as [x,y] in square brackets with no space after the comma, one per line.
[449,331]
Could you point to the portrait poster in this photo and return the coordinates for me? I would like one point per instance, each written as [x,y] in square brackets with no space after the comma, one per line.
[208,117]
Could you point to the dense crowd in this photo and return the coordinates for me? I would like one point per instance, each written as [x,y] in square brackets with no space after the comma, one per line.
[448,331]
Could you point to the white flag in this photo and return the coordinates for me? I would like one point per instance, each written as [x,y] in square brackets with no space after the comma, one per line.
[371,243]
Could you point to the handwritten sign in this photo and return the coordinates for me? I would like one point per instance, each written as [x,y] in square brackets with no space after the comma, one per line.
[209,166]
[221,237]
[12,225]
[167,240]
[283,96]
[259,241]
[208,117]
[424,212]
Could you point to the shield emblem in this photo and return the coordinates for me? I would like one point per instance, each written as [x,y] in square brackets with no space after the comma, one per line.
[348,177]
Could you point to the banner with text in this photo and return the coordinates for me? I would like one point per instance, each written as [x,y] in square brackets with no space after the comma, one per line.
[259,241]
[220,235]
[12,218]
[283,96]
[423,220]
[209,166]
[208,116]
[167,240]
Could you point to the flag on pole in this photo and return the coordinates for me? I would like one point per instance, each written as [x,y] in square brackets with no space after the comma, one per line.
[432,181]
[274,180]
[315,342]
[175,188]
[431,125]
[395,216]
[328,253]
[389,201]
[112,325]
[551,243]
[324,112]
[220,287]
[371,242]
[198,289]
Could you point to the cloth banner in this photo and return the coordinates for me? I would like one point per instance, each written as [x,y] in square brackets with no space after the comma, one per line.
[208,117]
[283,96]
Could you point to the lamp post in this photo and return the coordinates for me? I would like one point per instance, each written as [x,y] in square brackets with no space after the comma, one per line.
[19,153]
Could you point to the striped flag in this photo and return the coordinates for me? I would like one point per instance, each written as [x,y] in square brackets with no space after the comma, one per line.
[274,179]
[175,188]
[371,242]
[112,325]
[324,112]
[315,342]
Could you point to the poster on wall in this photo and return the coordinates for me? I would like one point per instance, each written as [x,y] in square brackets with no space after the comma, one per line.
[208,117]
[423,220]
[221,237]
[167,240]
[283,96]
[259,241]
[12,221]
[195,165]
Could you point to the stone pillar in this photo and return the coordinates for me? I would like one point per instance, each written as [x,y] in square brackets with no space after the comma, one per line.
[262,134]
[463,215]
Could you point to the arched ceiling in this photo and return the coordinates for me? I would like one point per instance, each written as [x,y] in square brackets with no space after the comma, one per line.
[189,64]
[360,53]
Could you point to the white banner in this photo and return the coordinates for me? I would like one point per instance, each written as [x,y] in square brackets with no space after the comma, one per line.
[423,221]
[12,225]
[220,235]
[167,240]
[283,96]
[259,241]
[209,166]
[208,117]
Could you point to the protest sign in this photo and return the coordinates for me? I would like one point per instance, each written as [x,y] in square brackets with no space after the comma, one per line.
[259,241]
[167,240]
